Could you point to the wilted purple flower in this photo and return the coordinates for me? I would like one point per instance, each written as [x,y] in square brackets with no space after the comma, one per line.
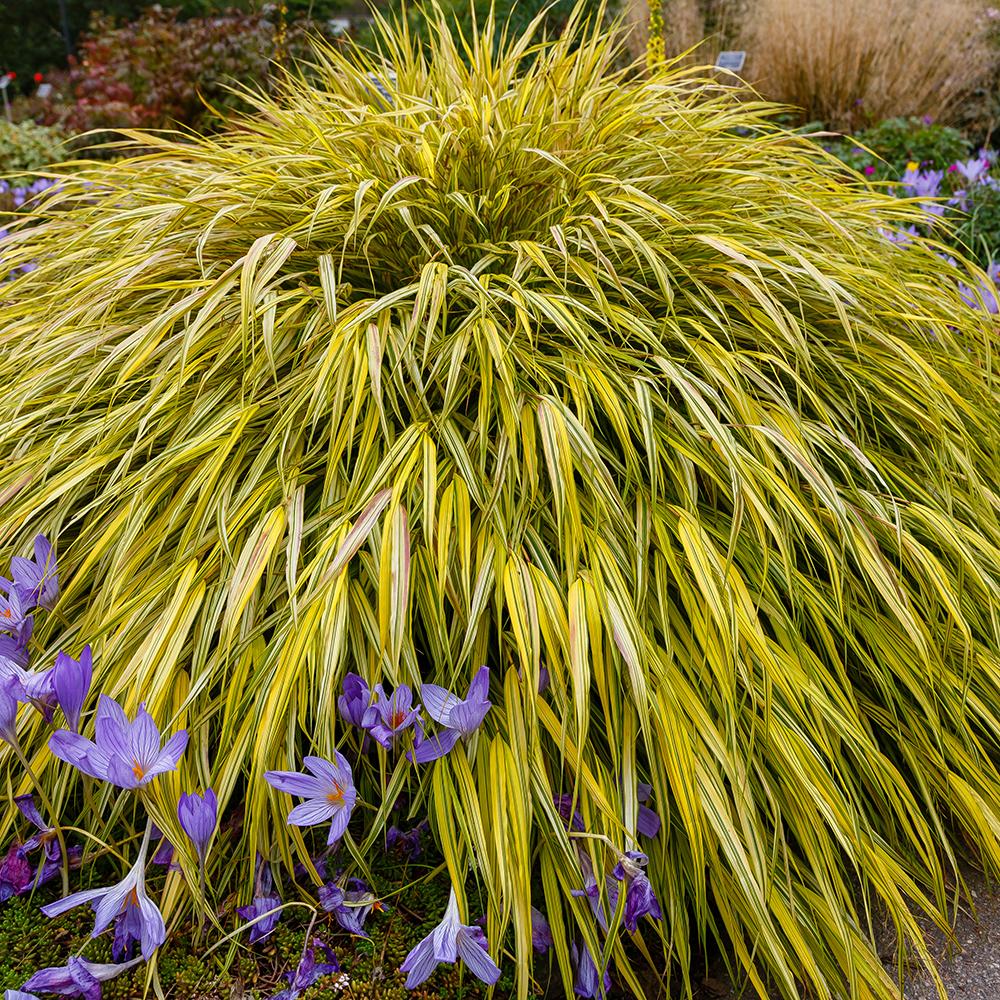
[16,872]
[328,790]
[460,716]
[309,970]
[390,715]
[198,815]
[78,978]
[592,889]
[265,909]
[354,701]
[127,754]
[350,904]
[448,942]
[640,900]
[541,933]
[648,823]
[71,683]
[587,982]
[407,841]
[36,580]
[46,834]
[141,919]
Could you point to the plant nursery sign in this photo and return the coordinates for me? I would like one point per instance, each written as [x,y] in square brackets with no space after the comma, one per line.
[733,61]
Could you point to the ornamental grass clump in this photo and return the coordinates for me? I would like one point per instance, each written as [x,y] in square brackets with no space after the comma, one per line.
[518,361]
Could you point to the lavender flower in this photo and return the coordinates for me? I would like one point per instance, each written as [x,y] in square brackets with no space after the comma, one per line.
[10,687]
[448,942]
[541,933]
[640,900]
[71,683]
[350,906]
[460,716]
[265,909]
[389,715]
[141,919]
[78,978]
[127,754]
[587,982]
[198,816]
[36,580]
[354,701]
[309,970]
[14,615]
[328,790]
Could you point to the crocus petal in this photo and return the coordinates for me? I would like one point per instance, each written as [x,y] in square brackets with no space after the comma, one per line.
[80,752]
[311,812]
[114,900]
[479,689]
[171,753]
[434,747]
[26,803]
[647,822]
[74,899]
[71,682]
[337,771]
[154,932]
[295,783]
[468,716]
[111,727]
[420,962]
[144,740]
[477,958]
[18,995]
[339,824]
[446,932]
[438,702]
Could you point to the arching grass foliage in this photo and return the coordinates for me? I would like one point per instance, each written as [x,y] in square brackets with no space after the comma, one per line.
[543,366]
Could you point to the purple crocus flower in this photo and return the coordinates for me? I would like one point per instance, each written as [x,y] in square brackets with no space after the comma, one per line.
[459,716]
[647,823]
[38,690]
[975,170]
[355,700]
[350,905]
[13,611]
[541,933]
[198,815]
[587,982]
[309,970]
[141,919]
[71,683]
[78,978]
[448,942]
[406,841]
[265,909]
[127,754]
[640,900]
[36,580]
[389,715]
[328,790]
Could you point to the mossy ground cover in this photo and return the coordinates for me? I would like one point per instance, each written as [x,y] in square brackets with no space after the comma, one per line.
[189,969]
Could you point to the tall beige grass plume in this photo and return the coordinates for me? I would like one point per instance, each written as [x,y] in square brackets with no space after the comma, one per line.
[851,62]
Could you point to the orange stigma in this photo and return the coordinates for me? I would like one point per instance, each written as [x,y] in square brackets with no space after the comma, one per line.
[336,797]
[138,771]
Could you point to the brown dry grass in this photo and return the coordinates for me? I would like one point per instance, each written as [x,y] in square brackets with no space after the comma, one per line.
[850,62]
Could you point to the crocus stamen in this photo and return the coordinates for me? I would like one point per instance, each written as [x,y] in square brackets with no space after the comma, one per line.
[138,770]
[336,796]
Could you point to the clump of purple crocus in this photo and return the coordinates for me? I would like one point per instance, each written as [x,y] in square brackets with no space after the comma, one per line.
[389,715]
[127,754]
[460,717]
[265,910]
[328,791]
[408,841]
[448,942]
[309,970]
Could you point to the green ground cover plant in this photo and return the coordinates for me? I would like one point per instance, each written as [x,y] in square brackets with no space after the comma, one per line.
[518,365]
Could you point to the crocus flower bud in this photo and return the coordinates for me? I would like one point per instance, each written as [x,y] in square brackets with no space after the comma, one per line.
[198,815]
